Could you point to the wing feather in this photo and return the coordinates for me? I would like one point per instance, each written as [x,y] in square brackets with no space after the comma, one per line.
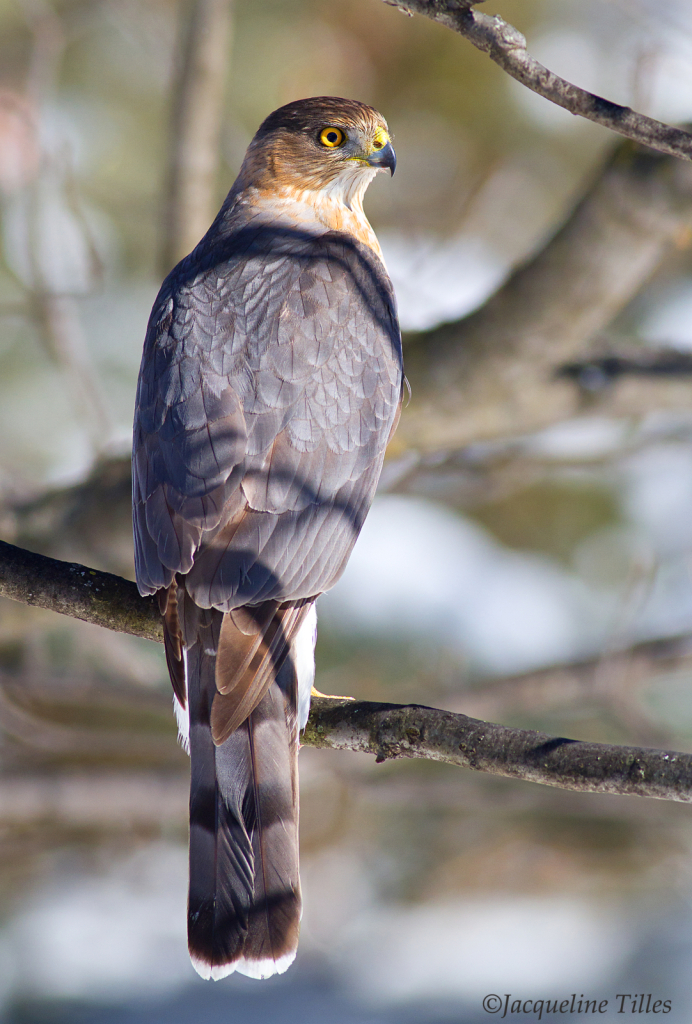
[246,668]
[270,382]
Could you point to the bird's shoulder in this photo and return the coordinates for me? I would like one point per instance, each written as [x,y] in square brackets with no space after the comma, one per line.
[270,381]
[255,283]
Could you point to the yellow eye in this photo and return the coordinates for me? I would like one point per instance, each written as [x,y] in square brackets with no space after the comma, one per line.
[332,138]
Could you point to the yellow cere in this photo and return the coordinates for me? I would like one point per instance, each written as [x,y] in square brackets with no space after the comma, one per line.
[381,139]
[332,137]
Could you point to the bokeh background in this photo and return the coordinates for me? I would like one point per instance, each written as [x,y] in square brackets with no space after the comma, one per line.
[425,887]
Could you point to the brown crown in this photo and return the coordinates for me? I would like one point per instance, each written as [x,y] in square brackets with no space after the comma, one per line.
[314,112]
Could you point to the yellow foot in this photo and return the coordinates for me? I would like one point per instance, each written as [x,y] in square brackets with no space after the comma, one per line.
[331,696]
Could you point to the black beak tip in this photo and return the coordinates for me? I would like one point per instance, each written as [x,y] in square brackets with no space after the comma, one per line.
[385,159]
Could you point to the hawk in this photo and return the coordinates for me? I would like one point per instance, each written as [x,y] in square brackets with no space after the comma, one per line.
[270,384]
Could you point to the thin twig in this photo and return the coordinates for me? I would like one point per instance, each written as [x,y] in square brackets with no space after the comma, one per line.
[601,372]
[507,47]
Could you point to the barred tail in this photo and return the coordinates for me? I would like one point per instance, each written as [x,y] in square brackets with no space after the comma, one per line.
[244,902]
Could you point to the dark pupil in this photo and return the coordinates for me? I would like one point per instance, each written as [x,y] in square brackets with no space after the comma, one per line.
[332,137]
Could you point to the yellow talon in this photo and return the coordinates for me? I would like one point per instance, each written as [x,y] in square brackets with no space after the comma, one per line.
[329,696]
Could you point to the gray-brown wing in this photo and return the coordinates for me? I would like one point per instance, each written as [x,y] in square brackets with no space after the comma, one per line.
[270,383]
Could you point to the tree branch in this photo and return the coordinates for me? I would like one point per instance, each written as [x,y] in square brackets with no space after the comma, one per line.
[505,45]
[614,680]
[492,374]
[195,130]
[386,730]
[90,520]
[107,800]
[75,590]
[398,730]
[601,372]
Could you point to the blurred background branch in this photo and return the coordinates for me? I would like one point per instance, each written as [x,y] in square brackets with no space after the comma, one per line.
[492,374]
[201,70]
[50,296]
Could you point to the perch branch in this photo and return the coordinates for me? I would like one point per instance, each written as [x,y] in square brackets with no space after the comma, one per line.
[75,590]
[398,730]
[386,730]
[505,45]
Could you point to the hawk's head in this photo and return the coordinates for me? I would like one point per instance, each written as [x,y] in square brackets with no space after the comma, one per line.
[323,143]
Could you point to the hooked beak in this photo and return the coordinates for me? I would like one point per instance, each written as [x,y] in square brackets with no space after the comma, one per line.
[383,159]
